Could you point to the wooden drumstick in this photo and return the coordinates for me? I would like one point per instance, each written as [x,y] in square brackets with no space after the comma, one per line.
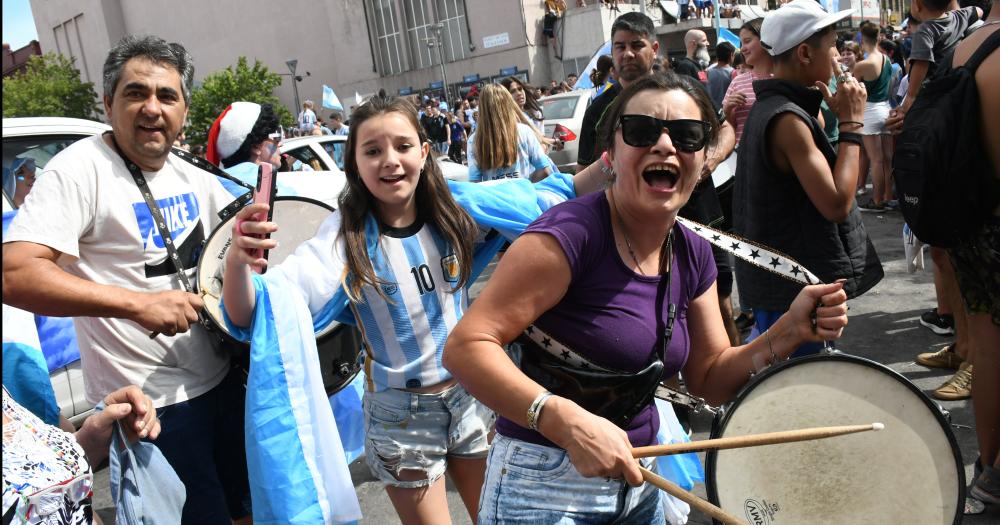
[753,440]
[704,506]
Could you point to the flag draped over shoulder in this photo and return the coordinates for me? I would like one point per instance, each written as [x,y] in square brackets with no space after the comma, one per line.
[295,458]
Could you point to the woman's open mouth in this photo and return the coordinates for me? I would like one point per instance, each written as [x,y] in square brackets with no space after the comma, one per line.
[661,177]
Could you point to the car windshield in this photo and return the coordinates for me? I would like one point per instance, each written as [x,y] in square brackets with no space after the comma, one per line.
[307,156]
[559,108]
[30,153]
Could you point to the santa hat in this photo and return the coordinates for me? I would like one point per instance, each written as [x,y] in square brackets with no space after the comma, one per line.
[230,130]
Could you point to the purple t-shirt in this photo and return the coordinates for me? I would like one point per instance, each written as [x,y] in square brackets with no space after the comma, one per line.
[608,313]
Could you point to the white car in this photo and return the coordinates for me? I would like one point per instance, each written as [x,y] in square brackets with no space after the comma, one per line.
[564,113]
[318,152]
[39,139]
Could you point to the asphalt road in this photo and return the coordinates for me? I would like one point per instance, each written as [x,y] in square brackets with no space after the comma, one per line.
[883,327]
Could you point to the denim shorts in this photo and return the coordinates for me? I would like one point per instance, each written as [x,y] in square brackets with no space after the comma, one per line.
[528,483]
[407,431]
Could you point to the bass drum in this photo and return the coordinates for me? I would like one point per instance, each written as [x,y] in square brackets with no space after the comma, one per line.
[299,219]
[910,472]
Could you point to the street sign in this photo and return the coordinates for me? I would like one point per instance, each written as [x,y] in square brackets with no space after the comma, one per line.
[406,91]
[469,79]
[437,84]
[497,40]
[508,71]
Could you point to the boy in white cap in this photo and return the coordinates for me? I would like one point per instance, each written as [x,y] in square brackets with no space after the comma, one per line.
[793,192]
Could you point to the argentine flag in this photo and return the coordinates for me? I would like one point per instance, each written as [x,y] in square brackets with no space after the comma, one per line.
[330,100]
[25,373]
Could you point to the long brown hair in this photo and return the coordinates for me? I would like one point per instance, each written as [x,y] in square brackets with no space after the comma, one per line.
[433,199]
[496,143]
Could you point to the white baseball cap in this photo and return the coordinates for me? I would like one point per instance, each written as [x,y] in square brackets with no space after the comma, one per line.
[794,22]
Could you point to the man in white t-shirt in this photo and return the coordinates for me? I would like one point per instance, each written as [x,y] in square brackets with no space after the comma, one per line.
[84,245]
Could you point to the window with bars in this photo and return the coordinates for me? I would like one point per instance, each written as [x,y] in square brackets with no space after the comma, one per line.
[454,36]
[388,40]
[419,32]
[402,42]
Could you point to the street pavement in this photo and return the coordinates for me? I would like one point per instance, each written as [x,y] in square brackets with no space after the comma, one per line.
[883,327]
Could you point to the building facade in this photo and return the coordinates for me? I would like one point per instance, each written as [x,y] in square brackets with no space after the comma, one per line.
[16,61]
[353,46]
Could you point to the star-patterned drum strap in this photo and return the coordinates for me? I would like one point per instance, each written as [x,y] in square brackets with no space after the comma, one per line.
[682,398]
[755,254]
[559,350]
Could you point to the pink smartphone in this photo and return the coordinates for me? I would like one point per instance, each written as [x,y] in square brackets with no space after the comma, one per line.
[265,191]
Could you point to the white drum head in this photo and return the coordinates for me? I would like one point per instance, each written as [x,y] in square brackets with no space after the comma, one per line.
[297,218]
[911,472]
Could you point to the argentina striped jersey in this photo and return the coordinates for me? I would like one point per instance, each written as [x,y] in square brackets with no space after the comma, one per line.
[405,335]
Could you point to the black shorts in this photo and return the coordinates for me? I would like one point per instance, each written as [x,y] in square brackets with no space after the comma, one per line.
[977,270]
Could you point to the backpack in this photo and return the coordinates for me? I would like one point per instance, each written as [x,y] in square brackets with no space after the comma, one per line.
[945,182]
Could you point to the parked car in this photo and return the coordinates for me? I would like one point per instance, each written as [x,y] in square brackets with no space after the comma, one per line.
[317,151]
[564,116]
[40,138]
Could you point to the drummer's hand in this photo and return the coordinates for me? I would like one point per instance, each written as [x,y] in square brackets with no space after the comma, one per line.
[247,243]
[597,448]
[170,312]
[829,302]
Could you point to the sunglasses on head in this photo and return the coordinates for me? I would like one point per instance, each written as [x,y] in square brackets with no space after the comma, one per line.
[642,131]
[277,135]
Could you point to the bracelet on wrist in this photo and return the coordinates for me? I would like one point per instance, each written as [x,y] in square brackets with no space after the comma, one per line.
[535,410]
[853,138]
[854,122]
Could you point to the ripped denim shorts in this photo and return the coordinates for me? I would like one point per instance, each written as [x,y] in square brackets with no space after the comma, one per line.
[408,431]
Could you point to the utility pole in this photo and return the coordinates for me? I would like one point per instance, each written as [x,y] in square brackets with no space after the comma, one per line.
[436,42]
[295,84]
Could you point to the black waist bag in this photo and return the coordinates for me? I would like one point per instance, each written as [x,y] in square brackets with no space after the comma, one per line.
[615,396]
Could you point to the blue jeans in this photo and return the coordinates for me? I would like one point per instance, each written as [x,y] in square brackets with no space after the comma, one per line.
[535,484]
[202,439]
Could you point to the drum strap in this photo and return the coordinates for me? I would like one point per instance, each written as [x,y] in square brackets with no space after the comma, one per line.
[753,253]
[203,164]
[556,349]
[161,226]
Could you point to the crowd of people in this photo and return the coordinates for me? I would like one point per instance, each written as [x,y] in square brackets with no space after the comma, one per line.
[604,287]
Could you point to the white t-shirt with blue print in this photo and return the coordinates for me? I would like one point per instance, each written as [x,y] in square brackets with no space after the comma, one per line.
[530,158]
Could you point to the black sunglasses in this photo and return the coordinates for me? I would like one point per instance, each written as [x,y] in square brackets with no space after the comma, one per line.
[642,131]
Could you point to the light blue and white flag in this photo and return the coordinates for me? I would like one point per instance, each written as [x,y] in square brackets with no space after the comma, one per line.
[295,458]
[726,35]
[583,80]
[25,373]
[358,99]
[330,100]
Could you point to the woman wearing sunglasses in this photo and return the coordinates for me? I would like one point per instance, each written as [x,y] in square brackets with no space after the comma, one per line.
[47,475]
[626,296]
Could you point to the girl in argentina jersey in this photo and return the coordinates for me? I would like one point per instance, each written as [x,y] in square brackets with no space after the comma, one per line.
[400,250]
